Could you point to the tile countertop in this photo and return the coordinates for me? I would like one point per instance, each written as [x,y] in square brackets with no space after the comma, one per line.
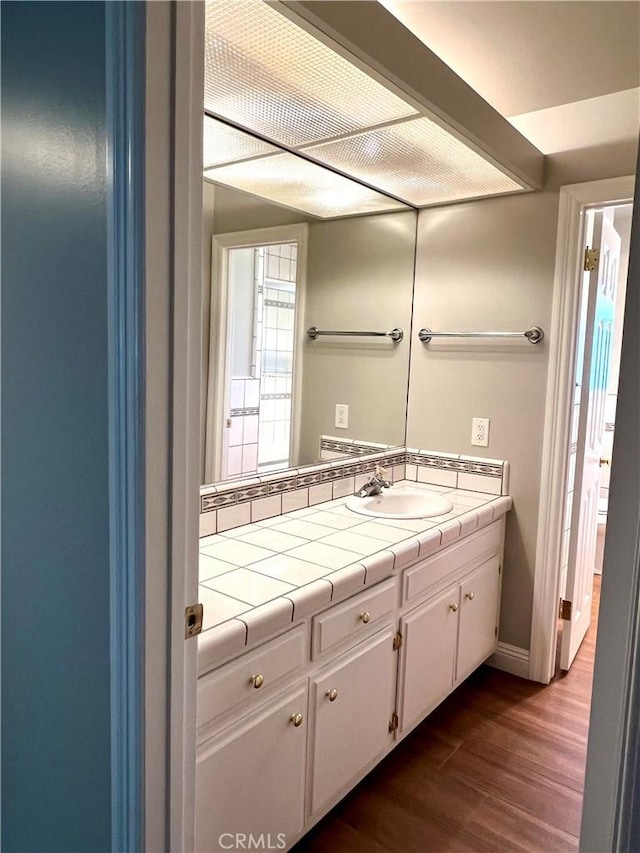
[258,578]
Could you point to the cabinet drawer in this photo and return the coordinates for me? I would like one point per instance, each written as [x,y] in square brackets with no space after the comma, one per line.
[246,679]
[430,572]
[353,619]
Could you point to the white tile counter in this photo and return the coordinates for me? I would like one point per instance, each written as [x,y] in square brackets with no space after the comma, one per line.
[257,579]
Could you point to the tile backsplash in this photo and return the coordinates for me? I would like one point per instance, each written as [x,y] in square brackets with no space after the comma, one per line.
[235,503]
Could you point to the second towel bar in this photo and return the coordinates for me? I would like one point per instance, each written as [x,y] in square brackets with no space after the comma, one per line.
[534,335]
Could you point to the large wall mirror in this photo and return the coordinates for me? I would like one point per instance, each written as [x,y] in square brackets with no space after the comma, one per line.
[271,390]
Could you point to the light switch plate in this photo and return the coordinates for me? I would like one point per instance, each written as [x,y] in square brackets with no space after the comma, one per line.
[480,432]
[342,416]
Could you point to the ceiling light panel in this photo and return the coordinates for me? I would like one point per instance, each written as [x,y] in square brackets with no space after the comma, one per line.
[417,161]
[224,144]
[267,74]
[294,182]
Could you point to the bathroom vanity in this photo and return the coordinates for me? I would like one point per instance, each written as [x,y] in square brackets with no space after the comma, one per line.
[338,670]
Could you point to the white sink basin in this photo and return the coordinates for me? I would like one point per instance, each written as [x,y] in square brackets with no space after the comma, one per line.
[400,503]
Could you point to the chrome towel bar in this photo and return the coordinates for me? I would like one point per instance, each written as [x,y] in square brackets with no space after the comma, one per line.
[396,335]
[534,335]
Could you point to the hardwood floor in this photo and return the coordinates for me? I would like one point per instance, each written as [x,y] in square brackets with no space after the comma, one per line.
[498,767]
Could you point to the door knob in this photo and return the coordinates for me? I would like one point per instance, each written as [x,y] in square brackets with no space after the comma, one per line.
[257,680]
[453,607]
[471,596]
[365,617]
[296,719]
[332,695]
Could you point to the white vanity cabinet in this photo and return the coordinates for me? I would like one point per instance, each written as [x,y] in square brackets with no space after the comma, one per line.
[455,629]
[290,726]
[251,777]
[352,701]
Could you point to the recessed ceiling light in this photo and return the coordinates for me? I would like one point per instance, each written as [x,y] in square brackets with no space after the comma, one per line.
[289,84]
[224,144]
[294,182]
[265,73]
[415,160]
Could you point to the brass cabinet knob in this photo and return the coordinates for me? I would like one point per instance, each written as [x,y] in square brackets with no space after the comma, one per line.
[453,607]
[257,680]
[471,596]
[332,695]
[296,719]
[365,617]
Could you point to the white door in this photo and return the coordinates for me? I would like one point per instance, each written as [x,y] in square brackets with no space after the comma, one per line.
[594,380]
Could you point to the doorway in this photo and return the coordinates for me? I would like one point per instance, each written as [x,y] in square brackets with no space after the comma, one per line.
[579,204]
[258,283]
[597,367]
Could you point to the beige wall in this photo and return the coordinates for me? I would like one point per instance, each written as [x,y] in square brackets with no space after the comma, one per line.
[490,265]
[359,276]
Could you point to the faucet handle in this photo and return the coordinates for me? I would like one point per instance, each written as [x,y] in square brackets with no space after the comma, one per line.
[379,472]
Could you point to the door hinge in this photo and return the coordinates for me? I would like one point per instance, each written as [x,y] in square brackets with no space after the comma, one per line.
[565,610]
[393,723]
[499,568]
[495,632]
[591,259]
[397,641]
[193,620]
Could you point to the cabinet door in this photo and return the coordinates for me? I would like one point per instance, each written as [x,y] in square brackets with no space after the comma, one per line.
[252,781]
[428,661]
[479,598]
[354,701]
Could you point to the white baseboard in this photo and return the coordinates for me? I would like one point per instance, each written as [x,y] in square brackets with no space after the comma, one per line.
[511,659]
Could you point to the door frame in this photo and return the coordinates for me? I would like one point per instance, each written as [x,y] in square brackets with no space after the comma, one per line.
[217,394]
[575,199]
[174,70]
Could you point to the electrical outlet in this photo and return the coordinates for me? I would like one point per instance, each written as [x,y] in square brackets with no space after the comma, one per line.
[480,432]
[342,416]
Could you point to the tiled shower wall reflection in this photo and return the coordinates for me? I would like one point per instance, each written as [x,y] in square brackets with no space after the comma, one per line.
[279,293]
[260,405]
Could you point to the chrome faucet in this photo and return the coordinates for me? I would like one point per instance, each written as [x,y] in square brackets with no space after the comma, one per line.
[375,485]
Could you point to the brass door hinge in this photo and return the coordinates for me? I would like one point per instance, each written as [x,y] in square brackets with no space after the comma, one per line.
[499,568]
[193,620]
[393,723]
[397,641]
[495,633]
[591,259]
[565,610]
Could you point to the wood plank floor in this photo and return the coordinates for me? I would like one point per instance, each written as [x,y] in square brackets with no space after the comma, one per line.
[498,767]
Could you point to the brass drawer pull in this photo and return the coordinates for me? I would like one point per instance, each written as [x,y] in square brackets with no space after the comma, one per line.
[332,695]
[296,719]
[365,617]
[453,607]
[471,596]
[257,680]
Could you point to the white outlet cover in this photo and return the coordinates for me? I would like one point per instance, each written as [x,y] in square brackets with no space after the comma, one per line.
[480,432]
[342,416]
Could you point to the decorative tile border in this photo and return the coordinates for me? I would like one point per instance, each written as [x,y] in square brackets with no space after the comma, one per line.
[299,486]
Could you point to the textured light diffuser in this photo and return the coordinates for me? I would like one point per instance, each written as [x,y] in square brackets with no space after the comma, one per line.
[267,74]
[294,182]
[224,144]
[416,160]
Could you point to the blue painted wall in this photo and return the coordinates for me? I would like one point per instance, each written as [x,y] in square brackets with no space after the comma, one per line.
[55,572]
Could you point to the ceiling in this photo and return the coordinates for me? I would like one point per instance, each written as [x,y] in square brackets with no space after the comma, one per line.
[566,73]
